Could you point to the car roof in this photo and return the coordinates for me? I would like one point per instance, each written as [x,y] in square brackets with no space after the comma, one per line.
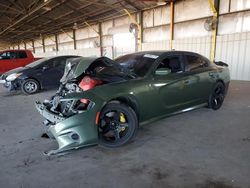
[66,56]
[11,50]
[163,52]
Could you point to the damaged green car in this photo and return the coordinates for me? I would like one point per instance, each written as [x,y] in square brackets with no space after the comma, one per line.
[101,101]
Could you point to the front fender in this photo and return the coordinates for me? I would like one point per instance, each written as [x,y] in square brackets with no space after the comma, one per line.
[79,130]
[76,131]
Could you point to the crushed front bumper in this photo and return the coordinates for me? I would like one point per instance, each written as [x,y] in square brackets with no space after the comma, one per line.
[73,132]
[51,117]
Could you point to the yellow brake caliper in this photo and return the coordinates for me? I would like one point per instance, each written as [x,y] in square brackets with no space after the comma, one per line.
[122,120]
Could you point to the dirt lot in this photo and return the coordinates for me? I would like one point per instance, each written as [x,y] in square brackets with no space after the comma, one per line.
[202,148]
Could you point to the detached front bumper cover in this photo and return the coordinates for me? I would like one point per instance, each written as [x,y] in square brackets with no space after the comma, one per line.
[73,132]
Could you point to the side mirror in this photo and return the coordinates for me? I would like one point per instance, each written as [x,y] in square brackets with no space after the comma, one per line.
[162,71]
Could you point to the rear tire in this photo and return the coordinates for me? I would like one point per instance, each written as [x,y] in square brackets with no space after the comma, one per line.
[217,96]
[30,86]
[114,130]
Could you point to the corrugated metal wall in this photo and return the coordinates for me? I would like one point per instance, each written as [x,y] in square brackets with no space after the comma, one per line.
[158,45]
[234,49]
[81,52]
[189,34]
[201,45]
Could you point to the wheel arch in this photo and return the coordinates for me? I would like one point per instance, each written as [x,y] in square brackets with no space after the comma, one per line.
[220,80]
[210,99]
[33,78]
[130,101]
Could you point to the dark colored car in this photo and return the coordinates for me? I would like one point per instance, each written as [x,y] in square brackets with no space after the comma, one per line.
[104,101]
[43,73]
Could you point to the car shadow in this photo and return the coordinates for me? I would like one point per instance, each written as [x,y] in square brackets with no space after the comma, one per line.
[11,93]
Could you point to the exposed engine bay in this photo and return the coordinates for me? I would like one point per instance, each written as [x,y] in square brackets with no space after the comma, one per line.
[71,107]
[76,79]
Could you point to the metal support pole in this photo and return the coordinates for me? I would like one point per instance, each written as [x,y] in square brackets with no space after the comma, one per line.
[56,42]
[139,37]
[43,45]
[171,38]
[99,34]
[215,7]
[33,46]
[141,29]
[74,38]
[100,38]
[92,28]
[67,34]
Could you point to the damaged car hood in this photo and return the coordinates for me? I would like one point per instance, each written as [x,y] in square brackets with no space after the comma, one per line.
[77,66]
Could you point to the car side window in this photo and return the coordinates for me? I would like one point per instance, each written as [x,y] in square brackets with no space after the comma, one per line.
[8,55]
[21,55]
[196,62]
[173,63]
[59,63]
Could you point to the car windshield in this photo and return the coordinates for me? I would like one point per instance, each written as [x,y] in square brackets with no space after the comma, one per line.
[138,64]
[36,63]
[101,67]
[105,66]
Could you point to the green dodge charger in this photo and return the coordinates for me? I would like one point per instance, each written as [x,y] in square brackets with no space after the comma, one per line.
[103,101]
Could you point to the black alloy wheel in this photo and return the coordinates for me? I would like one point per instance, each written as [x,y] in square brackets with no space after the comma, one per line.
[217,96]
[118,124]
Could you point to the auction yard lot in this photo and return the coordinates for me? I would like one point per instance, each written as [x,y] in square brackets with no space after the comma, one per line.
[202,148]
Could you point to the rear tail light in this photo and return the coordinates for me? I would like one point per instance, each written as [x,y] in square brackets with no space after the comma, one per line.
[88,83]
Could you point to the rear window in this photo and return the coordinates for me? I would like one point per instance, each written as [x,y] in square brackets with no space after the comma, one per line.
[37,63]
[21,54]
[196,62]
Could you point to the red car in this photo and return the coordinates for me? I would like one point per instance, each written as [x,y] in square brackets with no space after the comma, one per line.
[11,59]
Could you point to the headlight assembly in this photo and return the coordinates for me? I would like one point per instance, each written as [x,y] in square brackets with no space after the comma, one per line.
[13,76]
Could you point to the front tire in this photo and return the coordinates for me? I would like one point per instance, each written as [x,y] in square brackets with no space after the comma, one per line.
[30,86]
[217,96]
[118,124]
